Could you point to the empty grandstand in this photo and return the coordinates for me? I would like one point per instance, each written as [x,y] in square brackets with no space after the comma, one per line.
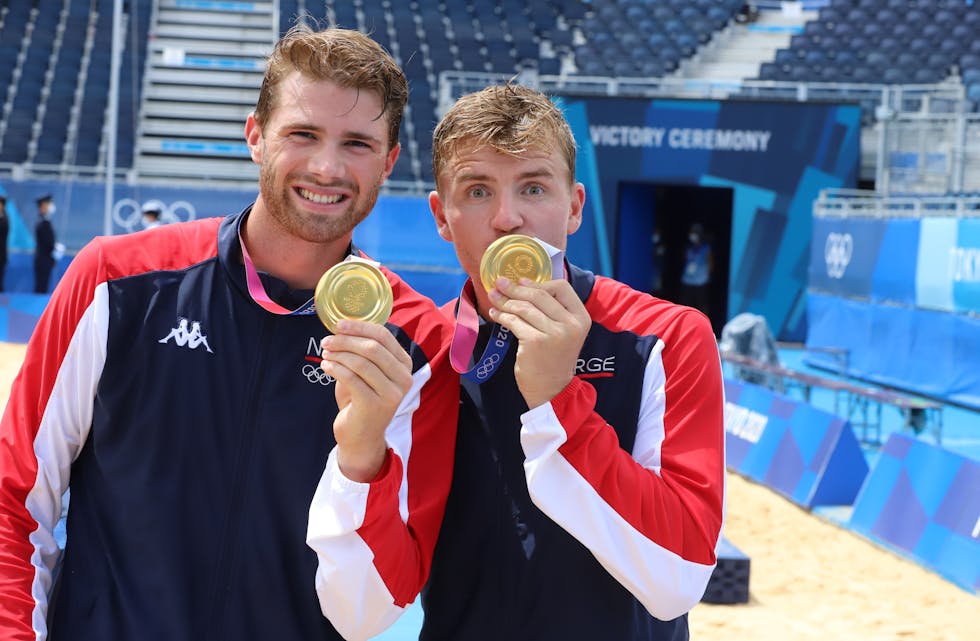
[189,68]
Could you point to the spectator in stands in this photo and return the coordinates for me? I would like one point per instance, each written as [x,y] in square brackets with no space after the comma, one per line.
[589,477]
[747,13]
[177,389]
[658,255]
[699,265]
[44,244]
[4,235]
[151,214]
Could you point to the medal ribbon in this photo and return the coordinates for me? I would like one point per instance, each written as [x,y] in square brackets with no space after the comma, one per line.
[257,290]
[467,327]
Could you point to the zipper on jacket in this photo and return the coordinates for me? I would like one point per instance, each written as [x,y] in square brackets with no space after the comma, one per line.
[228,547]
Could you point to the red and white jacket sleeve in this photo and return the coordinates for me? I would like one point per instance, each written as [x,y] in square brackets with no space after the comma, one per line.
[45,424]
[374,541]
[653,516]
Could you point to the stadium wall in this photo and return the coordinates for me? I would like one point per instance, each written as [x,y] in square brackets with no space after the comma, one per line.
[902,297]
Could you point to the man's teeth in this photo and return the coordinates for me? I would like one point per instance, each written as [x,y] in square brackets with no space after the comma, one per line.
[317,198]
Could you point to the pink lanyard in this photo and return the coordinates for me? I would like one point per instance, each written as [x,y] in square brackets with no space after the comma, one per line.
[257,290]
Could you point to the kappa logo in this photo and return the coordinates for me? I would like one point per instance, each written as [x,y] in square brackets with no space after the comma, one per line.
[837,252]
[191,338]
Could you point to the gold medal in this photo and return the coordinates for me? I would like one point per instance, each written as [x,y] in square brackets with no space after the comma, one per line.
[353,289]
[515,256]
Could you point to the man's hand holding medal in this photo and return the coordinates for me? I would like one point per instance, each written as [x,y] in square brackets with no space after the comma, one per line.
[544,314]
[372,371]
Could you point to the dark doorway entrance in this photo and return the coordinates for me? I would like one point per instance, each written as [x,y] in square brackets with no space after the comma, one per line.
[652,238]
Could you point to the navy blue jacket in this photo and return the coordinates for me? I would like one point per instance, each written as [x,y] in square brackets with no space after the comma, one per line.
[194,428]
[566,523]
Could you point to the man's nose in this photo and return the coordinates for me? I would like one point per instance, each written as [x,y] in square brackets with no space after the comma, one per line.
[327,163]
[506,215]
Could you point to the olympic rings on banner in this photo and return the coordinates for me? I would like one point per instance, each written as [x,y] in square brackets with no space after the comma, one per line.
[128,212]
[837,253]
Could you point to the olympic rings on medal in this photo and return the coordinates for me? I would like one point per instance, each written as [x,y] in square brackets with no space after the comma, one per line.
[316,375]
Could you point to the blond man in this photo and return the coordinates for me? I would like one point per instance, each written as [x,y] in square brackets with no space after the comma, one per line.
[589,478]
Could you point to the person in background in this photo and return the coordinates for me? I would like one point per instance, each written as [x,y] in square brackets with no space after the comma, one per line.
[235,474]
[699,264]
[151,214]
[4,235]
[44,244]
[747,13]
[658,255]
[588,488]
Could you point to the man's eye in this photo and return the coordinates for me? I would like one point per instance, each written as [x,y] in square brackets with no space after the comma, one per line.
[478,192]
[535,190]
[302,134]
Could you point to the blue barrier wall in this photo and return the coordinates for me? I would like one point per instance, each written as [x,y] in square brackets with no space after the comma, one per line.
[19,314]
[807,455]
[925,351]
[924,501]
[902,297]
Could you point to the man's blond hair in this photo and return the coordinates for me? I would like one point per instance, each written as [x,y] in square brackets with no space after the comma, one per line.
[511,119]
[343,56]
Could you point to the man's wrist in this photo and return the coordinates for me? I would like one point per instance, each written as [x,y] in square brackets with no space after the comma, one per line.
[362,465]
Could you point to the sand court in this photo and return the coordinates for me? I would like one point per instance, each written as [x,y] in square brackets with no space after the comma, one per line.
[810,578]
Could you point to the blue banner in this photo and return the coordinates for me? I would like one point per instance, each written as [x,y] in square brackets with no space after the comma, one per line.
[929,352]
[964,266]
[775,157]
[924,501]
[933,282]
[843,255]
[809,456]
[894,276]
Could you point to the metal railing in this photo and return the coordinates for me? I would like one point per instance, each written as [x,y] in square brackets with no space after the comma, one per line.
[857,203]
[943,159]
[886,100]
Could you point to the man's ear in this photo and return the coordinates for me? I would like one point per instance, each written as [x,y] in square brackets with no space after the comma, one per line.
[439,213]
[575,214]
[253,138]
[391,158]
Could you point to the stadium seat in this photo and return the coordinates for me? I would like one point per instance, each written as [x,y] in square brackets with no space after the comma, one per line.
[768,71]
[549,66]
[971,76]
[973,93]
